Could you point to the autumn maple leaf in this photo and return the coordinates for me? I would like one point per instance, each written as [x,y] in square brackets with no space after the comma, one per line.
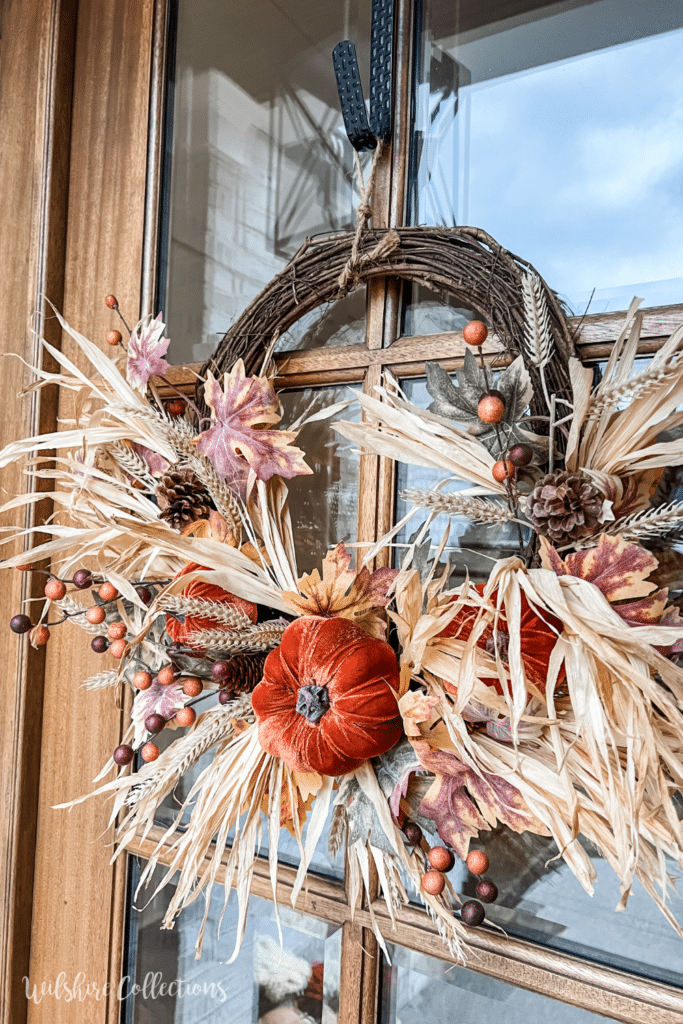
[344,592]
[146,349]
[620,570]
[238,442]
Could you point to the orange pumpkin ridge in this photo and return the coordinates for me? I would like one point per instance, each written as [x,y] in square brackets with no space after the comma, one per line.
[201,591]
[361,678]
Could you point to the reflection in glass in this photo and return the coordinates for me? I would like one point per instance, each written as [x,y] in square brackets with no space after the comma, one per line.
[260,158]
[324,507]
[296,982]
[471,547]
[558,131]
[419,988]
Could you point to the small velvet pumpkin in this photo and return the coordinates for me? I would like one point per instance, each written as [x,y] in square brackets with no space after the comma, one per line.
[327,701]
[201,591]
[537,640]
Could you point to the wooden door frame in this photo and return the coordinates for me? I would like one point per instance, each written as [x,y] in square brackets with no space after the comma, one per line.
[80,195]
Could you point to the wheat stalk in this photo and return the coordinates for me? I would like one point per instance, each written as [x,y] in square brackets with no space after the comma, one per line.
[338,827]
[538,341]
[211,728]
[479,510]
[635,387]
[653,522]
[101,680]
[262,637]
[73,608]
[130,462]
[206,609]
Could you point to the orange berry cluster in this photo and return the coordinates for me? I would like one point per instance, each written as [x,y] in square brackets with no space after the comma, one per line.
[491,410]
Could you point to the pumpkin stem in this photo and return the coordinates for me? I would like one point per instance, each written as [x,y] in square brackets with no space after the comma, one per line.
[313,702]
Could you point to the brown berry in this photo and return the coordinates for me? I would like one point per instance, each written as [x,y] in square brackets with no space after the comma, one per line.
[123,754]
[186,716]
[117,648]
[491,409]
[150,752]
[27,567]
[55,589]
[225,696]
[433,882]
[111,301]
[440,858]
[220,670]
[99,644]
[82,579]
[114,337]
[142,680]
[154,723]
[475,332]
[412,832]
[39,636]
[144,593]
[108,591]
[472,913]
[20,623]
[192,687]
[167,675]
[503,470]
[486,891]
[520,455]
[96,614]
[116,630]
[176,408]
[477,862]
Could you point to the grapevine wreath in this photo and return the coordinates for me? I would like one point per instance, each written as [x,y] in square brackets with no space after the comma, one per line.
[547,699]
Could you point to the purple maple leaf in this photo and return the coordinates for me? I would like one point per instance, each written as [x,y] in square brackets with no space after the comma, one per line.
[243,408]
[461,803]
[146,349]
[156,699]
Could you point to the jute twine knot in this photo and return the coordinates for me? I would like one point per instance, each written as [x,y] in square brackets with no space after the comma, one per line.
[350,275]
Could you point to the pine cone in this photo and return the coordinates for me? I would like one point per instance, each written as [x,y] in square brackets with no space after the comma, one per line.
[246,672]
[564,507]
[182,498]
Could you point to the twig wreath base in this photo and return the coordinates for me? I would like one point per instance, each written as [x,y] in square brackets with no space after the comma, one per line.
[465,263]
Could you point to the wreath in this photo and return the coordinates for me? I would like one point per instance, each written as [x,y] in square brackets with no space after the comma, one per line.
[547,698]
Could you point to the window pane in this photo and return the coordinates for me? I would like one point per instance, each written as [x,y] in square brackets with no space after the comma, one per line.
[539,897]
[558,131]
[290,984]
[324,511]
[472,547]
[419,988]
[260,159]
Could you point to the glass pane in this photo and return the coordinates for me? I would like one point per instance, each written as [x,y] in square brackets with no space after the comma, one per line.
[269,983]
[322,515]
[539,897]
[418,988]
[472,548]
[324,507]
[260,159]
[558,132]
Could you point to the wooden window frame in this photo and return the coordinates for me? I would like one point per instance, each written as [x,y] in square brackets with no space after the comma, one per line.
[87,81]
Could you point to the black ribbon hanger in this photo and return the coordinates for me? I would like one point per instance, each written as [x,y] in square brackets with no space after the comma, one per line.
[363,134]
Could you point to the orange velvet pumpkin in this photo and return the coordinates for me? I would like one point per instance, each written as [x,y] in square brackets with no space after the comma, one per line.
[201,591]
[327,701]
[538,638]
